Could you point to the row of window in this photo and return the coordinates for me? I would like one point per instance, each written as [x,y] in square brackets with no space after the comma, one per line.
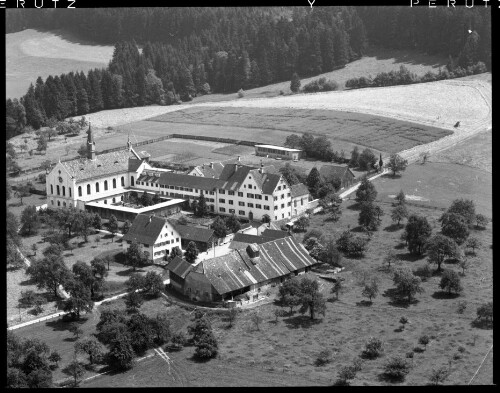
[59,190]
[97,186]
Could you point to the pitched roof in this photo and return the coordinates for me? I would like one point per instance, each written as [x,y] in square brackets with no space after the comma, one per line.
[237,270]
[134,164]
[143,230]
[298,190]
[241,240]
[275,234]
[179,267]
[334,170]
[194,233]
[182,180]
[212,170]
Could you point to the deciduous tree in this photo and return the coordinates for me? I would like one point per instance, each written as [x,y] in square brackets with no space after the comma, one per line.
[407,284]
[191,252]
[450,281]
[417,232]
[366,191]
[312,300]
[396,164]
[440,247]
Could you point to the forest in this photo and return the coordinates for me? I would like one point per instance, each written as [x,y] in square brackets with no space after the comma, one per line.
[166,55]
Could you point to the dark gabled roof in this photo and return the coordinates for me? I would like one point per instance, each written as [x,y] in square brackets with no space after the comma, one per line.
[275,234]
[298,190]
[179,267]
[237,270]
[183,180]
[194,233]
[143,230]
[240,240]
[133,164]
[338,170]
[235,174]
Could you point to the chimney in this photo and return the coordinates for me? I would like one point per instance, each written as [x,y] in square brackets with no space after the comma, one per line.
[211,165]
[239,158]
[253,251]
[261,169]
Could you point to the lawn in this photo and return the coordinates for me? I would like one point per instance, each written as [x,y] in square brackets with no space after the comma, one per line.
[381,134]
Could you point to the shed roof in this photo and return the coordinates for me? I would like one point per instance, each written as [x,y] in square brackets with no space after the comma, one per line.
[299,189]
[338,170]
[194,233]
[179,267]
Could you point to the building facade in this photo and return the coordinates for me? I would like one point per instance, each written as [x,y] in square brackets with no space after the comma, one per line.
[272,151]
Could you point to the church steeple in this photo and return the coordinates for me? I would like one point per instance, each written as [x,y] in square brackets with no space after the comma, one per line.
[90,144]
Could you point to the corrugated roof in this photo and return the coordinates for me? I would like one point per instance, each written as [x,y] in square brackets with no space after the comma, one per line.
[298,190]
[237,270]
[194,233]
[143,230]
[179,267]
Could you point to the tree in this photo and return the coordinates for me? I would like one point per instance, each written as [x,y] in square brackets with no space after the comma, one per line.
[75,329]
[134,256]
[396,368]
[424,340]
[370,290]
[133,301]
[219,227]
[485,312]
[450,281]
[396,164]
[391,258]
[34,248]
[407,284]
[121,353]
[354,161]
[97,221]
[290,294]
[345,374]
[331,204]
[440,247]
[176,252]
[22,191]
[454,226]
[399,212]
[380,162]
[464,208]
[302,223]
[201,207]
[98,266]
[191,252]
[91,347]
[438,375]
[400,198]
[312,300]
[373,348]
[161,328]
[295,83]
[76,370]
[136,282]
[367,159]
[126,227]
[313,182]
[84,224]
[178,340]
[154,284]
[79,300]
[266,219]
[403,321]
[42,143]
[256,318]
[338,287]
[332,256]
[49,273]
[113,226]
[29,220]
[366,191]
[82,151]
[481,221]
[417,231]
[156,199]
[232,223]
[473,243]
[55,358]
[368,216]
[146,199]
[86,275]
[350,244]
[141,333]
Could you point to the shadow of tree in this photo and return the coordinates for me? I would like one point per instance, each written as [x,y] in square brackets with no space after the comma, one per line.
[300,321]
[397,300]
[128,272]
[444,295]
[482,324]
[400,246]
[393,228]
[408,257]
[364,303]
[383,377]
[60,325]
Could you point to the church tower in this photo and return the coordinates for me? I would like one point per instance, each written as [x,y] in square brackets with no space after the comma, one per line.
[90,145]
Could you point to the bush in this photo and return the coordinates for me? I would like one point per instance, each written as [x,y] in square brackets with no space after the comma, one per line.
[410,354]
[241,93]
[177,341]
[424,340]
[485,312]
[438,375]
[396,368]
[321,84]
[373,348]
[324,357]
[424,272]
[345,374]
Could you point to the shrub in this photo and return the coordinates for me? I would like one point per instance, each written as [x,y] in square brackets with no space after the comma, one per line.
[178,340]
[373,348]
[357,364]
[424,272]
[485,312]
[410,354]
[345,374]
[324,357]
[438,375]
[462,305]
[424,340]
[241,93]
[396,368]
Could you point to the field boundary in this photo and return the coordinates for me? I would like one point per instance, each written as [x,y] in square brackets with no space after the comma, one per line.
[485,356]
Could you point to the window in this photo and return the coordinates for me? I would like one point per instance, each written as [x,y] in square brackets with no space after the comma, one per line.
[266,207]
[282,215]
[294,203]
[301,202]
[123,181]
[241,203]
[275,198]
[241,212]
[79,190]
[177,239]
[211,193]
[258,206]
[250,204]
[249,195]
[105,185]
[230,201]
[275,218]
[51,189]
[58,190]
[230,193]
[265,197]
[132,181]
[58,203]
[240,194]
[222,200]
[279,188]
[105,202]
[114,200]
[288,195]
[222,209]
[222,191]
[275,207]
[284,186]
[64,204]
[146,245]
[282,205]
[283,196]
[64,190]
[69,191]
[52,202]
[244,186]
[289,204]
[257,196]
[88,189]
[231,210]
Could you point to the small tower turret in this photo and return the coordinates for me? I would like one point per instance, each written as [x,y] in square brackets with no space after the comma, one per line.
[90,144]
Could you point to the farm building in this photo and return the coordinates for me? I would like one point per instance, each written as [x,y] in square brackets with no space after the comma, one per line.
[249,271]
[241,240]
[202,237]
[272,151]
[300,198]
[343,172]
[155,235]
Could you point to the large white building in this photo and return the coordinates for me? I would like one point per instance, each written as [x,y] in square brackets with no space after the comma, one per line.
[101,177]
